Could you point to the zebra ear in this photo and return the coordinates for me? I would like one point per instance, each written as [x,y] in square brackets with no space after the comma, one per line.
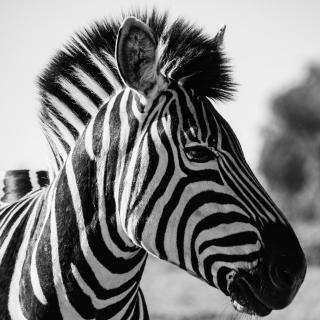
[136,55]
[220,36]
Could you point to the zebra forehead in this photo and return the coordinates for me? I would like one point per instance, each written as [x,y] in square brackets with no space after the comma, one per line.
[192,116]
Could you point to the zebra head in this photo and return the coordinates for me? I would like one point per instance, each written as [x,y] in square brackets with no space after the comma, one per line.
[187,194]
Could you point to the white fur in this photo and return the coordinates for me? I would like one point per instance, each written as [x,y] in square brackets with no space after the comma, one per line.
[90,83]
[78,96]
[64,131]
[66,112]
[88,140]
[106,71]
[34,180]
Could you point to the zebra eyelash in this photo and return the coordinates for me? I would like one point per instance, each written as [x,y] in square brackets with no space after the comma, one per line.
[200,153]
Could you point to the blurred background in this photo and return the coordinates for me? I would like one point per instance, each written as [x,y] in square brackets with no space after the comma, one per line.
[275,50]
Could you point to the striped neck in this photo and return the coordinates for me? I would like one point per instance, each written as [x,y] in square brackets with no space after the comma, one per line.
[100,267]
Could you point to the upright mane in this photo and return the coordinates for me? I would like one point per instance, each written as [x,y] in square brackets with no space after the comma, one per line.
[83,75]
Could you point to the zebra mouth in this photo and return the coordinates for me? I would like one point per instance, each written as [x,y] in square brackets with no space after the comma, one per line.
[245,299]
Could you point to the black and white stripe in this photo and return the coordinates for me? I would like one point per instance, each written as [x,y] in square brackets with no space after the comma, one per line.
[84,74]
[16,183]
[155,169]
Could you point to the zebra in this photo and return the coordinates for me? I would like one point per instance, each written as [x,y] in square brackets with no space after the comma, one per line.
[143,164]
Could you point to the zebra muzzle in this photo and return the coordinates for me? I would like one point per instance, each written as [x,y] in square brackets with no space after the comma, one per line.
[274,283]
[246,299]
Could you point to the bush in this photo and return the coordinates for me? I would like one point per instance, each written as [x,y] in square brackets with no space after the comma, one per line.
[290,159]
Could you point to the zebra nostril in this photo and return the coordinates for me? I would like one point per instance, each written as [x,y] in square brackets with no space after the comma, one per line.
[284,260]
[282,277]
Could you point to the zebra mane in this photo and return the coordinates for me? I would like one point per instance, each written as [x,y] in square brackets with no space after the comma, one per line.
[83,74]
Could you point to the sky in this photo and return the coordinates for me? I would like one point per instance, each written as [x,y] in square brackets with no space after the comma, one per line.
[270,43]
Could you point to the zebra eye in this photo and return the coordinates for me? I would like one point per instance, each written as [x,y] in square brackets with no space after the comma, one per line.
[199,154]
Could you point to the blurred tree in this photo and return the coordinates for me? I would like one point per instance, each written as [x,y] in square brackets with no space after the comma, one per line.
[290,159]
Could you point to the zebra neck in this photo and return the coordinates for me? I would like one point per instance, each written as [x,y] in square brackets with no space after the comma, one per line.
[100,269]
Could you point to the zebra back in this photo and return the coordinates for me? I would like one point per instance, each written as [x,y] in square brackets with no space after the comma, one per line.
[83,75]
[14,184]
